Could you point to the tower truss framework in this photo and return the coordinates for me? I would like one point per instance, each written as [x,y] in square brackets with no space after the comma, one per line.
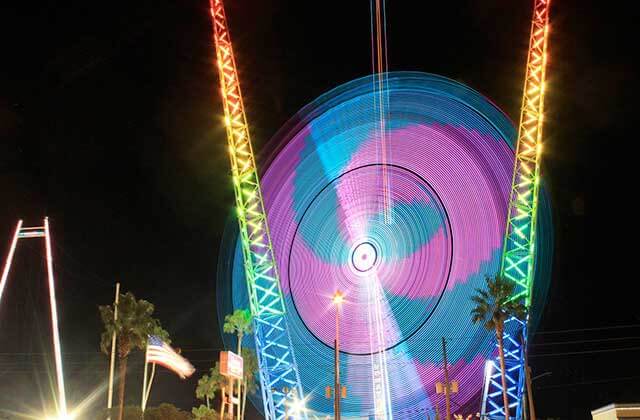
[279,378]
[519,252]
[22,232]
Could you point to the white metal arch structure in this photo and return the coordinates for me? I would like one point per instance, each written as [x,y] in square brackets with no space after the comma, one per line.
[41,232]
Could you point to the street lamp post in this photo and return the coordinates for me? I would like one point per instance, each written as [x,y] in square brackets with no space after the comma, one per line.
[338,298]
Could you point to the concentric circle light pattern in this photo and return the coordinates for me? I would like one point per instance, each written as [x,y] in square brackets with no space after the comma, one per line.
[423,230]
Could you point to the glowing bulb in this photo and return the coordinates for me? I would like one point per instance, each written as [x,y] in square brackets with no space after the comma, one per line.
[338,298]
[297,406]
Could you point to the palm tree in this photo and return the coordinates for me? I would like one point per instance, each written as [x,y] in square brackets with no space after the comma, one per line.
[250,368]
[204,389]
[209,385]
[135,323]
[493,307]
[240,324]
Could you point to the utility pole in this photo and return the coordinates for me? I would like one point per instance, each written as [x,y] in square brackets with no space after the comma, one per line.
[329,392]
[336,386]
[527,372]
[113,353]
[446,380]
[338,298]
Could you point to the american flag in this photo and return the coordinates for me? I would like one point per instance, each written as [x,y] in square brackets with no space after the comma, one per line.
[161,353]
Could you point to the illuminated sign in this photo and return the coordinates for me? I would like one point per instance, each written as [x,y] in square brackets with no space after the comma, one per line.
[231,365]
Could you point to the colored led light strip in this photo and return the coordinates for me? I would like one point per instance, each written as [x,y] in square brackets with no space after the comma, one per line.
[377,342]
[380,78]
[278,370]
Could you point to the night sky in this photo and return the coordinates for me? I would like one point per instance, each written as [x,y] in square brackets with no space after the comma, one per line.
[110,124]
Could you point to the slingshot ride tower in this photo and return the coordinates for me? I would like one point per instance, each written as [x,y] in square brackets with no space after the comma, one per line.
[279,379]
[519,254]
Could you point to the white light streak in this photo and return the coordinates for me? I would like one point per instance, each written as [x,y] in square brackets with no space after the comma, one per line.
[7,264]
[379,371]
[62,400]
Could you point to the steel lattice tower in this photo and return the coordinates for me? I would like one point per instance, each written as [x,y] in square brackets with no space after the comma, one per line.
[279,378]
[519,253]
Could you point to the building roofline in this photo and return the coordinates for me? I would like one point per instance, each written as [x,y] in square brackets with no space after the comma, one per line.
[614,406]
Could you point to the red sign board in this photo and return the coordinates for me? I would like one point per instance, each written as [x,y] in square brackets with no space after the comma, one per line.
[231,365]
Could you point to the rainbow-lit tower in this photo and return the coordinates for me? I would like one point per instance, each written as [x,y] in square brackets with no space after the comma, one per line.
[519,252]
[280,382]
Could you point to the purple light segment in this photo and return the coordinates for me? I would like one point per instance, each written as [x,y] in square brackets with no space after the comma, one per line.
[423,263]
[448,158]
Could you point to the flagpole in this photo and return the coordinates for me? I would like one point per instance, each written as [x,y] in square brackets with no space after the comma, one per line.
[153,373]
[157,351]
[144,381]
[113,353]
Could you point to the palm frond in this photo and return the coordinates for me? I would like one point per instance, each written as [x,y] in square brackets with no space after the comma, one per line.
[493,305]
[134,324]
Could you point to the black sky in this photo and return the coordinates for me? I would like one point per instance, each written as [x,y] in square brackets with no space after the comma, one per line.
[110,125]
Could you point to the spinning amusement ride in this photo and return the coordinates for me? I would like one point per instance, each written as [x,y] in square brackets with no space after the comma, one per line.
[395,189]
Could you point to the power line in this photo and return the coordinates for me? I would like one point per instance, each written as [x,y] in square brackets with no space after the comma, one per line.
[613,327]
[97,352]
[602,381]
[599,340]
[570,353]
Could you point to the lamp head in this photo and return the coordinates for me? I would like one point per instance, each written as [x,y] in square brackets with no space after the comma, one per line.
[338,298]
